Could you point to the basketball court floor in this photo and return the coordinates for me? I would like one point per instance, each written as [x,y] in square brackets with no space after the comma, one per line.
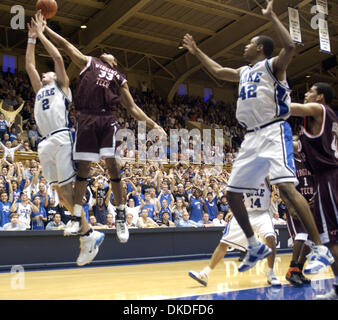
[159,281]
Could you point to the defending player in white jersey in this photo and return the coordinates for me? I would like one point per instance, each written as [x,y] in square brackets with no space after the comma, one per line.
[257,205]
[263,106]
[53,97]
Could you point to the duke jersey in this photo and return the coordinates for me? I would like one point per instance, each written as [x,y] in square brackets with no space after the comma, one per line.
[259,200]
[262,98]
[51,109]
[24,211]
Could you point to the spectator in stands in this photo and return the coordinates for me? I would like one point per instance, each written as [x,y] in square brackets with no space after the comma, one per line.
[10,114]
[110,221]
[14,224]
[276,219]
[211,205]
[148,205]
[219,220]
[178,211]
[56,224]
[134,211]
[4,125]
[144,221]
[33,137]
[52,209]
[8,150]
[186,222]
[206,222]
[38,218]
[5,208]
[129,221]
[94,224]
[165,221]
[197,205]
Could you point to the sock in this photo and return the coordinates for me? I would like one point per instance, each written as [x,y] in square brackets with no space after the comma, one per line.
[270,271]
[293,264]
[78,210]
[206,270]
[252,241]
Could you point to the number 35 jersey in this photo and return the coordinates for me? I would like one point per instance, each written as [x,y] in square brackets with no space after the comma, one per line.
[99,88]
[51,109]
[262,98]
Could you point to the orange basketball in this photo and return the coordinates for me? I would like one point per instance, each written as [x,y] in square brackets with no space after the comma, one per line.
[48,7]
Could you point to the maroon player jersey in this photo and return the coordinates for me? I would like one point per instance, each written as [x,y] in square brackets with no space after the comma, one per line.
[305,178]
[321,150]
[99,87]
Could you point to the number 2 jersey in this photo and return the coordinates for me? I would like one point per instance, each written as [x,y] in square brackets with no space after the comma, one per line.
[51,109]
[262,98]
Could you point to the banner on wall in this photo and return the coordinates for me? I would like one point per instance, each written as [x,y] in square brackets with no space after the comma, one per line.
[294,25]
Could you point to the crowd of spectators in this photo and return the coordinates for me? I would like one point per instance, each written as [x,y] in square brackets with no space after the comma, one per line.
[156,195]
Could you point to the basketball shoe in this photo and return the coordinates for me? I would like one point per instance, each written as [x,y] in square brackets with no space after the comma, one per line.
[122,231]
[332,295]
[73,226]
[200,277]
[89,247]
[319,258]
[258,252]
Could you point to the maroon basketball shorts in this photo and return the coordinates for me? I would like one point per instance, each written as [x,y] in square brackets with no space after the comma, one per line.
[326,205]
[296,228]
[95,137]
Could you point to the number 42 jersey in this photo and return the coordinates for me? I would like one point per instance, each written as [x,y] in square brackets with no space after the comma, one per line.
[51,109]
[261,97]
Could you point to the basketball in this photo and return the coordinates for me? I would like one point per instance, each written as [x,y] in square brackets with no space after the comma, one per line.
[48,8]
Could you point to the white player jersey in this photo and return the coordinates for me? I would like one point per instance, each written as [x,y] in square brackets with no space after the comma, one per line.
[259,200]
[261,97]
[51,109]
[24,212]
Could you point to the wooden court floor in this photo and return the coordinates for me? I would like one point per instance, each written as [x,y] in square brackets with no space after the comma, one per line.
[138,282]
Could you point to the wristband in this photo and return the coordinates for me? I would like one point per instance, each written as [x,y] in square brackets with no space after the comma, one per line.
[31,40]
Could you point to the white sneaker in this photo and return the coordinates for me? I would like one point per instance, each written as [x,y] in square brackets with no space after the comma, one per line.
[332,295]
[254,254]
[319,258]
[72,227]
[273,280]
[200,277]
[89,247]
[122,231]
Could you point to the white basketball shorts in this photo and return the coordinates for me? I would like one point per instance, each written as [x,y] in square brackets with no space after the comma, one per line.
[55,153]
[261,224]
[267,151]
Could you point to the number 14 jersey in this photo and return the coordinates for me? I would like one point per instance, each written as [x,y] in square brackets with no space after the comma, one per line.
[262,98]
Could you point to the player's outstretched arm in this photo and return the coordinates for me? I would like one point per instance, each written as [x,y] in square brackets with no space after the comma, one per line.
[212,66]
[76,55]
[280,62]
[127,102]
[33,74]
[311,109]
[62,78]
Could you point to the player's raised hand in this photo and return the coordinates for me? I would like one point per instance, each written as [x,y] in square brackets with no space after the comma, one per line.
[32,33]
[268,11]
[38,23]
[189,43]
